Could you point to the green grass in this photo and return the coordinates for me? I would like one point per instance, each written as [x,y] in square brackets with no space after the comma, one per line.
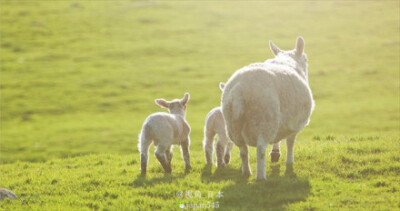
[79,78]
[361,174]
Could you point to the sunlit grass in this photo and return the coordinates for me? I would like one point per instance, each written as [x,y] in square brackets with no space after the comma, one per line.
[79,78]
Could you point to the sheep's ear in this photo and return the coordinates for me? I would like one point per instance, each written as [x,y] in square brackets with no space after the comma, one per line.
[221,86]
[275,50]
[299,46]
[185,98]
[162,103]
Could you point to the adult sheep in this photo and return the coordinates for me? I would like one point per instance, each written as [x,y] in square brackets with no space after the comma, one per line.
[264,103]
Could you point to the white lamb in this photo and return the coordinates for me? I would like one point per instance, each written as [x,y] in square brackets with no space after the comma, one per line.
[165,130]
[215,125]
[266,102]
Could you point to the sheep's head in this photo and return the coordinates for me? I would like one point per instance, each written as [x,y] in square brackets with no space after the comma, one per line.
[297,55]
[177,106]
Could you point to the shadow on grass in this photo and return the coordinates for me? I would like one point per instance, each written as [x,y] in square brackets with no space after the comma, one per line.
[273,194]
[142,180]
[220,174]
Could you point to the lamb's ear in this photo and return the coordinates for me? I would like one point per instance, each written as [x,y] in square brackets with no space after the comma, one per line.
[185,98]
[275,50]
[300,46]
[162,103]
[221,86]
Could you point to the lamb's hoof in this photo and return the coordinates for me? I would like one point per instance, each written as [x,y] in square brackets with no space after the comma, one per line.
[227,159]
[246,174]
[275,155]
[4,193]
[261,179]
[168,171]
[221,165]
[188,169]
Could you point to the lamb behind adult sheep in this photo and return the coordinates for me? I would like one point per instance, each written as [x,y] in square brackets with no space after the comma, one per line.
[165,130]
[215,125]
[265,102]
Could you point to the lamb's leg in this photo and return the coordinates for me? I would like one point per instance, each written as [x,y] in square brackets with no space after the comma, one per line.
[228,150]
[144,154]
[144,157]
[169,153]
[208,146]
[261,148]
[244,155]
[160,155]
[220,151]
[290,149]
[275,152]
[185,153]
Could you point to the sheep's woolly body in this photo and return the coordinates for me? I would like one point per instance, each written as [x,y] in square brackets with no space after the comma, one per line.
[215,121]
[268,99]
[266,102]
[165,128]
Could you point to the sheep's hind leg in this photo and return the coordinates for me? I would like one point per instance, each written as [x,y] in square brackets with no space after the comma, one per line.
[185,153]
[275,152]
[244,155]
[160,155]
[208,146]
[169,153]
[290,149]
[261,148]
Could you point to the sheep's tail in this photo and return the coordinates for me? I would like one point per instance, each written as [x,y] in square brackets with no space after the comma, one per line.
[237,101]
[144,137]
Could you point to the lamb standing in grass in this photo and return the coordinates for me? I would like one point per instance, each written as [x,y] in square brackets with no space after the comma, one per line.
[165,130]
[215,125]
[266,102]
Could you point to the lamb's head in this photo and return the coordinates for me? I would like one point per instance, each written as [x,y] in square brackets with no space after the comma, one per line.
[177,106]
[297,56]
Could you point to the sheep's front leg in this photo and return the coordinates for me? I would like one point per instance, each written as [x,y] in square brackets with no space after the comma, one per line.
[275,152]
[290,149]
[185,153]
[244,155]
[160,155]
[261,148]
[228,150]
[208,146]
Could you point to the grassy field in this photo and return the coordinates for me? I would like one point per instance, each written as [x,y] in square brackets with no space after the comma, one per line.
[78,78]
